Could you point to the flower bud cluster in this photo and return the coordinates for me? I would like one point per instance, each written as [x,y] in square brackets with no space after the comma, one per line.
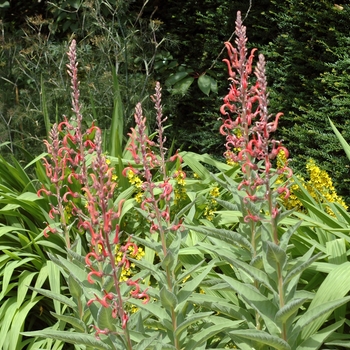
[248,127]
[151,155]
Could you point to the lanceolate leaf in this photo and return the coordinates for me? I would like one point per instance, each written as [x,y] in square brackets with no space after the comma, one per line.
[75,322]
[222,306]
[168,299]
[252,297]
[144,344]
[288,234]
[154,309]
[190,286]
[341,139]
[309,322]
[289,309]
[190,320]
[55,296]
[227,236]
[71,338]
[202,336]
[275,255]
[116,131]
[105,319]
[250,270]
[300,268]
[316,340]
[261,338]
[333,289]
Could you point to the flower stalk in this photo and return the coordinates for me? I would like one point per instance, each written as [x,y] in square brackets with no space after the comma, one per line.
[157,195]
[248,129]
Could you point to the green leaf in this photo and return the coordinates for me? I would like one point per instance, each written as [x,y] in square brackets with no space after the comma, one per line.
[55,296]
[253,272]
[222,306]
[213,85]
[256,300]
[75,288]
[204,83]
[313,318]
[182,86]
[7,229]
[145,343]
[9,269]
[55,285]
[191,285]
[7,313]
[341,139]
[289,309]
[75,322]
[262,337]
[331,292]
[169,260]
[174,78]
[191,160]
[70,337]
[275,255]
[336,251]
[190,320]
[203,335]
[300,268]
[288,234]
[75,4]
[227,236]
[116,131]
[5,4]
[105,319]
[25,279]
[69,267]
[153,308]
[316,340]
[168,299]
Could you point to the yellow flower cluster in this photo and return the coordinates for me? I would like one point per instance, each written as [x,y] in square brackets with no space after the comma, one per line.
[281,159]
[127,272]
[319,185]
[180,189]
[137,182]
[134,179]
[212,205]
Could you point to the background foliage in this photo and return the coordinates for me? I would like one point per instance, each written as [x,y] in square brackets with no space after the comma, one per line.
[177,42]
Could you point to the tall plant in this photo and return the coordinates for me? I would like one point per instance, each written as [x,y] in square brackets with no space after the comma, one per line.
[264,276]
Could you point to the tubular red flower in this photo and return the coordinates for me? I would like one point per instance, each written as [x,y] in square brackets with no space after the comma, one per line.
[94,273]
[87,258]
[44,190]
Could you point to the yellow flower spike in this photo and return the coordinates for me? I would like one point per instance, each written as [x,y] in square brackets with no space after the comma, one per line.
[281,159]
[320,186]
[215,192]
